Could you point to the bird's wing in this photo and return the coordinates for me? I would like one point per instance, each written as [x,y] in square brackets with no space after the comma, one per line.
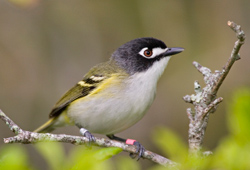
[83,88]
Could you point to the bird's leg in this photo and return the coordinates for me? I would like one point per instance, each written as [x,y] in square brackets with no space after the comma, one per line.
[113,137]
[88,135]
[140,149]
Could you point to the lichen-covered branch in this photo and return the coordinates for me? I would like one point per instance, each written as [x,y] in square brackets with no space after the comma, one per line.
[27,137]
[204,100]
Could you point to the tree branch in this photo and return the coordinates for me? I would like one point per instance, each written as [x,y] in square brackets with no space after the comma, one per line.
[27,137]
[204,100]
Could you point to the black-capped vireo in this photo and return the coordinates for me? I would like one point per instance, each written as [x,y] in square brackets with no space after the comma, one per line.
[116,94]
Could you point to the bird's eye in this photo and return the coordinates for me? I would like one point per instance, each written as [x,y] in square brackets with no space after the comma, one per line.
[148,53]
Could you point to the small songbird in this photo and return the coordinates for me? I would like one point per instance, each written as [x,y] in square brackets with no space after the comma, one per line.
[116,94]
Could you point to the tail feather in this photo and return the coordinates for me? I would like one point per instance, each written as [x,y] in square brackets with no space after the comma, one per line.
[46,127]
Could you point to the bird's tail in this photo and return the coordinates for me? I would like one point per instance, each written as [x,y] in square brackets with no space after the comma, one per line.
[46,127]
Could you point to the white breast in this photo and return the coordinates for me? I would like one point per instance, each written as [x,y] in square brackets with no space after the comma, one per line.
[116,109]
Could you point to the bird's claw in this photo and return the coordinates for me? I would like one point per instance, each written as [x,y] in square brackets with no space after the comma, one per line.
[139,150]
[88,135]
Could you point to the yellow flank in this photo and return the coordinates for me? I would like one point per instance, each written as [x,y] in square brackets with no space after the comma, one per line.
[65,119]
[84,84]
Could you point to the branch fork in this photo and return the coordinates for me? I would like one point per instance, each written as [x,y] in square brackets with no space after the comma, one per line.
[204,100]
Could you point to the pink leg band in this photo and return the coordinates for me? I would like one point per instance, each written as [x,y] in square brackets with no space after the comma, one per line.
[130,141]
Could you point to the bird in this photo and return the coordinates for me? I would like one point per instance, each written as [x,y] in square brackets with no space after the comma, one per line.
[116,94]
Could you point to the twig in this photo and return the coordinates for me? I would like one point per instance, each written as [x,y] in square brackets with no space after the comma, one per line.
[27,137]
[204,100]
[234,54]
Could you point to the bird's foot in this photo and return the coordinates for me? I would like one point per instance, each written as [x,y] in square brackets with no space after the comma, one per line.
[139,149]
[88,135]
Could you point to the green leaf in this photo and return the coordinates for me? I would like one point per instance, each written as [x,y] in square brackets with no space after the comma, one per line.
[106,153]
[53,153]
[239,115]
[14,157]
[94,159]
[125,163]
[232,155]
[170,143]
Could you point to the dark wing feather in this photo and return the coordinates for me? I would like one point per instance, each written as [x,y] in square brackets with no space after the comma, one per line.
[74,93]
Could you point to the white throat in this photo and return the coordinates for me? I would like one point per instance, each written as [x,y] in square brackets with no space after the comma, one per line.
[152,75]
[156,70]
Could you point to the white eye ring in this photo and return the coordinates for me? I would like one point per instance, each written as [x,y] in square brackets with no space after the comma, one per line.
[147,53]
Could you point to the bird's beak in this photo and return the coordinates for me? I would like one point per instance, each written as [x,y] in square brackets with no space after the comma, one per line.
[173,51]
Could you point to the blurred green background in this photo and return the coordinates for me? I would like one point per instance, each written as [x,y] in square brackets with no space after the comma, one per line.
[47,46]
